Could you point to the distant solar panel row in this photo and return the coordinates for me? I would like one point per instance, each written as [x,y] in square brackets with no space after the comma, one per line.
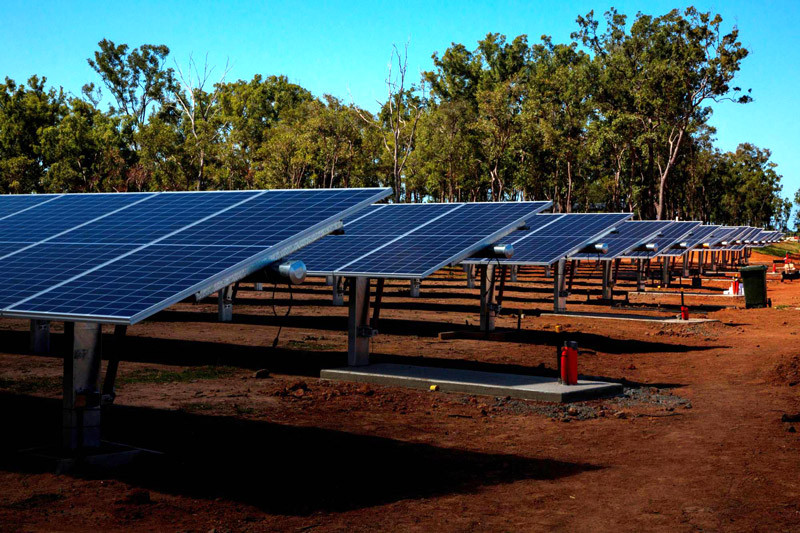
[551,237]
[122,257]
[669,238]
[628,236]
[414,240]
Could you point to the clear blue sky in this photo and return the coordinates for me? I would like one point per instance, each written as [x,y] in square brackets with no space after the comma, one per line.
[342,47]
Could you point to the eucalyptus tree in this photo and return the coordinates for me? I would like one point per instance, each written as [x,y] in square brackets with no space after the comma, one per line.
[25,111]
[673,65]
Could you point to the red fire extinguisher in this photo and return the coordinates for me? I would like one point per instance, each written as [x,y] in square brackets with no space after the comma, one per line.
[735,286]
[684,313]
[569,364]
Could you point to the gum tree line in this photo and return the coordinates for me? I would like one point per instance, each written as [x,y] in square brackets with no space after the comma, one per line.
[615,119]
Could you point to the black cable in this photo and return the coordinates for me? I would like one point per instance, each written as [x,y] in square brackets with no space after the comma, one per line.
[275,311]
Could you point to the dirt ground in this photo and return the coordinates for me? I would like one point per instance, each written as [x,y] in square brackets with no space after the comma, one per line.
[706,437]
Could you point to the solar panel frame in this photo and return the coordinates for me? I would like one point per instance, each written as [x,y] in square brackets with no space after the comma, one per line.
[627,244]
[537,233]
[453,258]
[693,240]
[211,284]
[666,242]
[726,237]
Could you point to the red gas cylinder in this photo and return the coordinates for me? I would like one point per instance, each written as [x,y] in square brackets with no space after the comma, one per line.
[569,364]
[684,313]
[736,286]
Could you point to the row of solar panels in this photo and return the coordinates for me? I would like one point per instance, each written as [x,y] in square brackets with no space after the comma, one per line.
[119,258]
[398,240]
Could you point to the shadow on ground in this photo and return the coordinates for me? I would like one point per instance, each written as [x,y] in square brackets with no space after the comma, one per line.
[278,468]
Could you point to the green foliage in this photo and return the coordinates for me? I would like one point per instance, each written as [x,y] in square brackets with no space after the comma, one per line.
[614,119]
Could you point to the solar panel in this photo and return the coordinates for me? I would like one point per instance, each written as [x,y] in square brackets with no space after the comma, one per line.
[551,237]
[628,235]
[414,240]
[129,255]
[16,203]
[741,240]
[695,238]
[723,238]
[670,236]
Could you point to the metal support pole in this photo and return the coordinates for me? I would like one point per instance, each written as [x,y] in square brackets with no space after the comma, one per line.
[225,304]
[665,273]
[258,286]
[547,271]
[686,264]
[512,276]
[616,270]
[470,270]
[414,289]
[109,392]
[40,337]
[608,293]
[359,331]
[488,297]
[81,402]
[701,262]
[572,264]
[640,277]
[560,286]
[338,291]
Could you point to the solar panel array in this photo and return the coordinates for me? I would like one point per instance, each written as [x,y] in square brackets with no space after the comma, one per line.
[723,238]
[551,237]
[627,236]
[414,240]
[697,237]
[669,237]
[121,257]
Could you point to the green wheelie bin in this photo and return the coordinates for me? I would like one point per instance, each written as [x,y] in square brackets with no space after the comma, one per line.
[755,285]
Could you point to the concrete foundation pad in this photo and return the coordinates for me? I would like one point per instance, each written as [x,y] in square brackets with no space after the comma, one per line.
[474,382]
[692,294]
[635,318]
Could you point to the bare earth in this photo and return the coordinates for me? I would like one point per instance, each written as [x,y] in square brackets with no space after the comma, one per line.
[706,438]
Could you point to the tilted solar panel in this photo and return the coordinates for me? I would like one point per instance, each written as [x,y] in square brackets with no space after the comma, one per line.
[126,256]
[627,236]
[697,237]
[670,236]
[724,238]
[414,240]
[16,203]
[551,237]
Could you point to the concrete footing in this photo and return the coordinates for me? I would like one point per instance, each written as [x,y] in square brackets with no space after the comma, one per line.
[474,382]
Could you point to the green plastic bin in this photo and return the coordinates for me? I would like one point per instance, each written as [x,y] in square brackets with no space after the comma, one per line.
[754,279]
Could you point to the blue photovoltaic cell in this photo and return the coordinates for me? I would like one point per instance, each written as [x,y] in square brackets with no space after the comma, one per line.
[722,235]
[158,216]
[554,236]
[70,210]
[271,218]
[366,231]
[394,219]
[418,239]
[11,247]
[139,281]
[744,239]
[696,237]
[670,235]
[14,203]
[628,235]
[42,266]
[118,262]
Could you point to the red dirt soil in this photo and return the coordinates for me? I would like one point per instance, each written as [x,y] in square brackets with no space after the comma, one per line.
[707,437]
